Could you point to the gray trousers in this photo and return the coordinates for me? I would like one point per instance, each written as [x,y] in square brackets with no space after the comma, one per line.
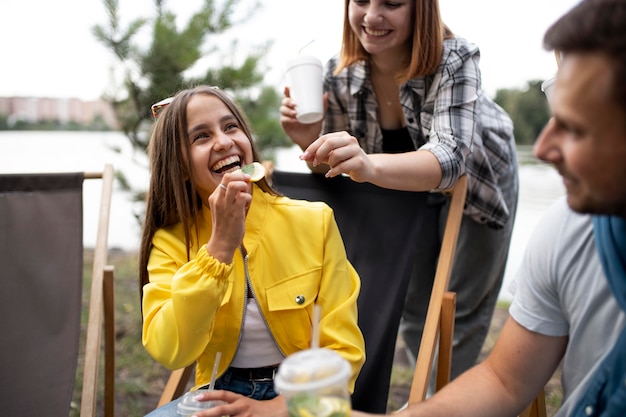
[476,277]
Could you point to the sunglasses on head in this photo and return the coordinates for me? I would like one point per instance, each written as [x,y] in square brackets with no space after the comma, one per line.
[158,107]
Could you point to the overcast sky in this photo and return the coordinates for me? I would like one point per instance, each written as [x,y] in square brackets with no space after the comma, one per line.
[47,47]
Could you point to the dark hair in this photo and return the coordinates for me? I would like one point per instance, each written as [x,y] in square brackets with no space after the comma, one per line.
[426,45]
[594,26]
[171,196]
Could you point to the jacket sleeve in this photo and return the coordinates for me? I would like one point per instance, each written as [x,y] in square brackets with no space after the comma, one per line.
[338,294]
[181,300]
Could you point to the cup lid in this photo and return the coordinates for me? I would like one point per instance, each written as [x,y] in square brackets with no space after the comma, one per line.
[311,369]
[189,405]
[548,83]
[303,60]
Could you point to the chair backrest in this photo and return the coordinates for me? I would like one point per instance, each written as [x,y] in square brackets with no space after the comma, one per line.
[438,320]
[41,264]
[380,229]
[537,407]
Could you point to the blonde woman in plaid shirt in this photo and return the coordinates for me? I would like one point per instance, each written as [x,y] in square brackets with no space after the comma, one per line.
[405,110]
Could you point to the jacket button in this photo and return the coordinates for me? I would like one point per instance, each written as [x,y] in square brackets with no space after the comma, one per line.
[300,299]
[589,410]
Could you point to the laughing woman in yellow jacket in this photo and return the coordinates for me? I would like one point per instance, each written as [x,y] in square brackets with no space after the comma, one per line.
[229,265]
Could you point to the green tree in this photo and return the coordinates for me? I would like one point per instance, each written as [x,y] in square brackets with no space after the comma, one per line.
[4,123]
[158,58]
[528,109]
[163,67]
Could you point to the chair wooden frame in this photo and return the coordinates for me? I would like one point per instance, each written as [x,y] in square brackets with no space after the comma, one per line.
[44,213]
[101,310]
[439,325]
[537,408]
[176,384]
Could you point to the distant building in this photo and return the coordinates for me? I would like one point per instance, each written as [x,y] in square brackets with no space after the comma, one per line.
[63,110]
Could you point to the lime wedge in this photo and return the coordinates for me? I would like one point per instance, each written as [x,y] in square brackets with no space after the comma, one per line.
[319,407]
[255,170]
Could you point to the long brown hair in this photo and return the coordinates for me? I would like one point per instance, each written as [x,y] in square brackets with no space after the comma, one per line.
[171,196]
[426,45]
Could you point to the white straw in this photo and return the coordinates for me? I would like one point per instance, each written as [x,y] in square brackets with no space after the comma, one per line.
[218,356]
[310,42]
[315,331]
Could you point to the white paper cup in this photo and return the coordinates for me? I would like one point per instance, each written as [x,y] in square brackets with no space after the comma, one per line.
[547,86]
[304,74]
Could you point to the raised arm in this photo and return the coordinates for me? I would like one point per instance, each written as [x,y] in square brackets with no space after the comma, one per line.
[518,367]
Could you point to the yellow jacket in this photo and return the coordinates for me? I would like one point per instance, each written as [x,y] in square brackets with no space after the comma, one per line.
[194,309]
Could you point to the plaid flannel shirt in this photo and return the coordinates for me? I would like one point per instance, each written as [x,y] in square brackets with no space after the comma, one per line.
[446,113]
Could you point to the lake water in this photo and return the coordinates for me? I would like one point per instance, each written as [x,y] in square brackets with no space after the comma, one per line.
[540,185]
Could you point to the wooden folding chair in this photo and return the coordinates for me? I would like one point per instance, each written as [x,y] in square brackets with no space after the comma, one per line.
[537,408]
[41,259]
[439,325]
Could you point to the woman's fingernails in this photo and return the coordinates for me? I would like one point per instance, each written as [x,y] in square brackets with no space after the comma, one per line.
[304,155]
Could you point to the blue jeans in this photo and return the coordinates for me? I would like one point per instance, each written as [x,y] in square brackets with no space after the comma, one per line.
[258,390]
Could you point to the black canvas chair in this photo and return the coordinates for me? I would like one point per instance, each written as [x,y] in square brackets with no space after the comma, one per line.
[380,228]
[41,268]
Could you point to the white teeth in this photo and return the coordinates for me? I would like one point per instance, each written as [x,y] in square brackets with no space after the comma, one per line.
[375,32]
[226,161]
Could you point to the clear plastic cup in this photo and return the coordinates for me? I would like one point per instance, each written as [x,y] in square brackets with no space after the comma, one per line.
[314,382]
[188,406]
[304,74]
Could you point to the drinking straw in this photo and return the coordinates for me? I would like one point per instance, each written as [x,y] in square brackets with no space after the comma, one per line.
[310,42]
[315,331]
[218,356]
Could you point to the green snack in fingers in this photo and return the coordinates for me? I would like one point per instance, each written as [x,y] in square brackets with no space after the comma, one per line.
[255,170]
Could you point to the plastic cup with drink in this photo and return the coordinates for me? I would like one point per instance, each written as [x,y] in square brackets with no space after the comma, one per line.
[314,383]
[190,405]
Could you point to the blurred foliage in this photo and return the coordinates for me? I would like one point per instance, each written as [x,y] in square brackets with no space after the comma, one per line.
[159,56]
[528,109]
[97,124]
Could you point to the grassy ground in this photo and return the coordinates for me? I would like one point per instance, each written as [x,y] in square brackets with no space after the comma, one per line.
[140,380]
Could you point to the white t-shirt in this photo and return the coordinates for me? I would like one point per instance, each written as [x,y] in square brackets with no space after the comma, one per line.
[256,347]
[560,290]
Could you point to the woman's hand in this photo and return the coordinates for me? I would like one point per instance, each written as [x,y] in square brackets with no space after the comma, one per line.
[229,203]
[343,154]
[240,406]
[301,134]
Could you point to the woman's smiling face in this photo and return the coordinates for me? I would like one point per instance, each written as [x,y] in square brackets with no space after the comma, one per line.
[382,26]
[217,142]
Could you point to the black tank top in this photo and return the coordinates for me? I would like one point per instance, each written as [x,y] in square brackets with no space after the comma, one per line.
[397,140]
